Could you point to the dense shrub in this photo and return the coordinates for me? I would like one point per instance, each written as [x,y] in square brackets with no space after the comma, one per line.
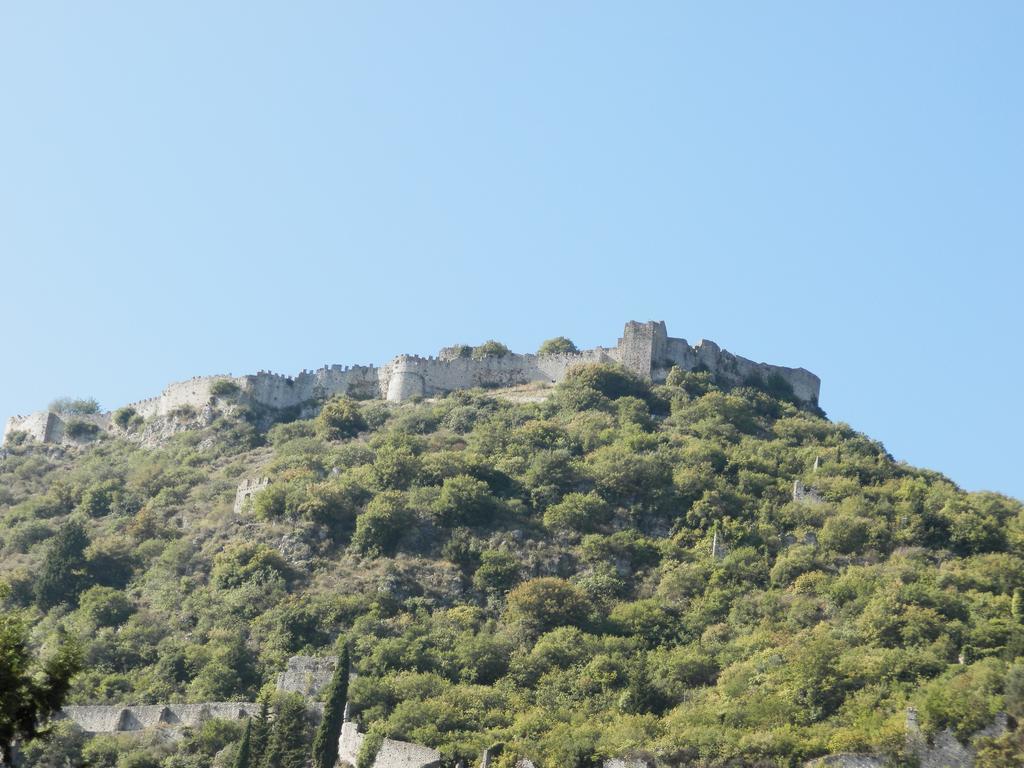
[79,429]
[224,388]
[126,417]
[577,512]
[464,500]
[246,562]
[540,605]
[490,349]
[380,526]
[498,571]
[559,345]
[340,418]
[845,533]
[104,606]
[75,406]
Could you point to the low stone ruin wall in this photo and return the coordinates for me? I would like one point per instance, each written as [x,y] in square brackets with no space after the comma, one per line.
[115,718]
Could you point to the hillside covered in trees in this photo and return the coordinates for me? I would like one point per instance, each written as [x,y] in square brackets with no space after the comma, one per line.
[598,569]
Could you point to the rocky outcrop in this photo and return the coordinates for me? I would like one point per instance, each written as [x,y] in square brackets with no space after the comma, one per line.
[942,750]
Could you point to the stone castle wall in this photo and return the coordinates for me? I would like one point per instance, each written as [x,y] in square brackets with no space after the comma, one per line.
[40,426]
[194,392]
[307,675]
[116,718]
[51,426]
[646,349]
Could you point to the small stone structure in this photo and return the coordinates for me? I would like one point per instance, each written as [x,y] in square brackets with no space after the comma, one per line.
[392,753]
[803,492]
[717,546]
[308,675]
[247,489]
[646,349]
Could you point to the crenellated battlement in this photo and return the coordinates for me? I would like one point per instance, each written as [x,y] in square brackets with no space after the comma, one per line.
[645,348]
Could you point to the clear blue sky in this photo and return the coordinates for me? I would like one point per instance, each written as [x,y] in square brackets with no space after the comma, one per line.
[197,187]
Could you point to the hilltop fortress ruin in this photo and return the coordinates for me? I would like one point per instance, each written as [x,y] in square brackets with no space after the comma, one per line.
[646,349]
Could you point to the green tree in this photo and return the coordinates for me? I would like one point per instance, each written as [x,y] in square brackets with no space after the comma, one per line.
[1017,605]
[63,573]
[30,689]
[325,743]
[62,747]
[242,759]
[287,745]
[260,729]
[559,345]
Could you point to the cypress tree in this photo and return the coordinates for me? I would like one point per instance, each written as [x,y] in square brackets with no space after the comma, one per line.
[325,744]
[242,759]
[1017,605]
[260,731]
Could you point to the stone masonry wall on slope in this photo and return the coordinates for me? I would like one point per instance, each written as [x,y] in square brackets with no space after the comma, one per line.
[115,718]
[308,675]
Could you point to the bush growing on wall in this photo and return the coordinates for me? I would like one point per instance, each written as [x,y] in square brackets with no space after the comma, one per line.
[77,429]
[75,406]
[560,345]
[490,348]
[127,417]
[224,388]
[184,412]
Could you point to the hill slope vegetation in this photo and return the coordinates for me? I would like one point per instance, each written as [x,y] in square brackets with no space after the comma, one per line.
[534,573]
